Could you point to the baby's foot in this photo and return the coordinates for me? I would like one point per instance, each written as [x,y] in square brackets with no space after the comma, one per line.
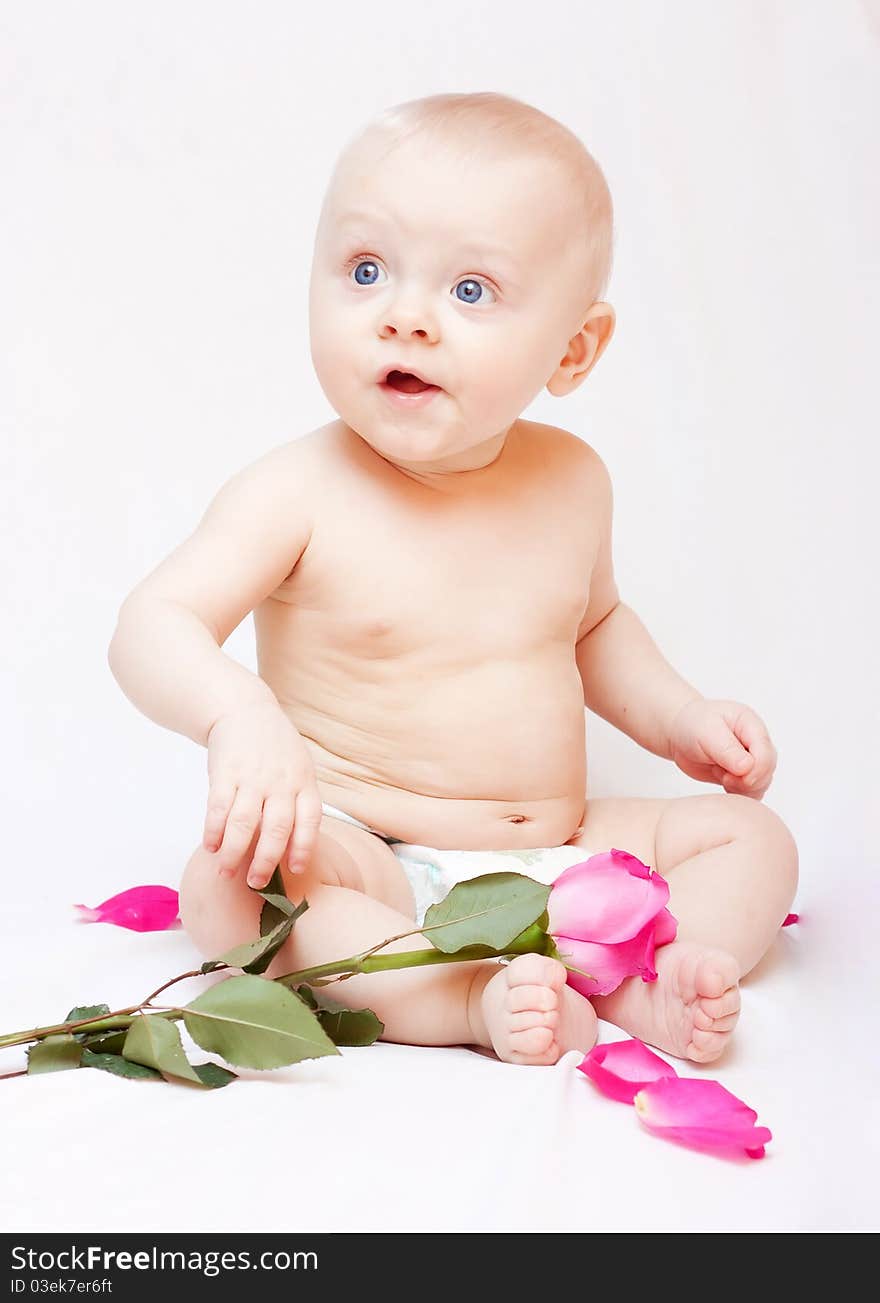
[689,1011]
[531,1016]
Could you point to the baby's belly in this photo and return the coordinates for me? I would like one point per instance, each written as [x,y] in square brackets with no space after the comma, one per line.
[489,758]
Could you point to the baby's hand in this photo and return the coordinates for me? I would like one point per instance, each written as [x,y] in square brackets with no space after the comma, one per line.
[261,775]
[723,742]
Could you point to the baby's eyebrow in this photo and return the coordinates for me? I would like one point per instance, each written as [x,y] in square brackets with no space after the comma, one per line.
[472,249]
[355,215]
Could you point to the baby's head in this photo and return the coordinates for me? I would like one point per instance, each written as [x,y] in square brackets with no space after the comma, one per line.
[466,238]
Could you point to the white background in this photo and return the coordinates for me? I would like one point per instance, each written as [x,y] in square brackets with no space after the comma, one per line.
[163,165]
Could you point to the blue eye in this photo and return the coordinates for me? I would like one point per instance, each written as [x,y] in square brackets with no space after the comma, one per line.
[474,290]
[371,273]
[366,273]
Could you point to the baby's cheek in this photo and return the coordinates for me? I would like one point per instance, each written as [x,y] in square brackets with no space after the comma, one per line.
[498,396]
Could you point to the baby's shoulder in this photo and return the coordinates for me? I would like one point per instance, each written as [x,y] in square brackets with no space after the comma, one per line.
[296,462]
[572,453]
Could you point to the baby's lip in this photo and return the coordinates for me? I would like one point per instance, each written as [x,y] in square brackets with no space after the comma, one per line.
[383,375]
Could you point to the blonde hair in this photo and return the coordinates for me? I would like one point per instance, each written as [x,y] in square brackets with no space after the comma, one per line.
[488,120]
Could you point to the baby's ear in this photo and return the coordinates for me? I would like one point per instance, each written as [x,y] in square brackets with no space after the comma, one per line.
[584,350]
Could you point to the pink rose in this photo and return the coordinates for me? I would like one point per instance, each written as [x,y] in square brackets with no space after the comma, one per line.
[607,916]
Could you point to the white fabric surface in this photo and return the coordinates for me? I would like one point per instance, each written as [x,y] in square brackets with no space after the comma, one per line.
[154,342]
[406,1138]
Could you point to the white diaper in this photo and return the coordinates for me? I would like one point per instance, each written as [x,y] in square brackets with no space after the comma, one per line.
[433,873]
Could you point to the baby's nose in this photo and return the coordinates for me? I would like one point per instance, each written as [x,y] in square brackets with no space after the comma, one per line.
[408,320]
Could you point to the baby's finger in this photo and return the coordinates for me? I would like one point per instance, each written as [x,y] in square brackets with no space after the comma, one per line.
[240,827]
[744,787]
[723,746]
[274,832]
[735,786]
[764,753]
[756,784]
[220,799]
[752,732]
[702,772]
[306,822]
[748,727]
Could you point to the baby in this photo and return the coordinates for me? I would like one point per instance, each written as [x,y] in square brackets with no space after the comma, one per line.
[434,599]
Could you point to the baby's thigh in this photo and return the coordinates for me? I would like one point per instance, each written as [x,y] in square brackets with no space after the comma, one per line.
[365,863]
[221,912]
[624,823]
[664,832]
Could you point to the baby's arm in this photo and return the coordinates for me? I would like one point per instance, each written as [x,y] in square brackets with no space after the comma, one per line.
[628,681]
[165,652]
[166,656]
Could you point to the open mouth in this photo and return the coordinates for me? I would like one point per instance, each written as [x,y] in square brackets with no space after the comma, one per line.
[406,383]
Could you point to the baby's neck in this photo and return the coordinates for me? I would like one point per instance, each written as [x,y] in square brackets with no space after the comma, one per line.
[455,472]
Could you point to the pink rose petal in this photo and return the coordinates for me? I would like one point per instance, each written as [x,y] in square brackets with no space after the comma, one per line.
[607,898]
[622,1068]
[607,916]
[701,1113]
[142,909]
[608,965]
[791,918]
[665,928]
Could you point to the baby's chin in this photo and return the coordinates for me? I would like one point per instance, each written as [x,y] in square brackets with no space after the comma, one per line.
[413,439]
[432,456]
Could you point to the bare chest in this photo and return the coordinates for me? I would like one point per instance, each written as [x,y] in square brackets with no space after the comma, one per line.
[397,575]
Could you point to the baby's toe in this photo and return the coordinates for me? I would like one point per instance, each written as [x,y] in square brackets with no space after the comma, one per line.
[533,1043]
[706,1046]
[715,973]
[723,1005]
[535,970]
[532,999]
[702,1020]
[706,1023]
[522,1022]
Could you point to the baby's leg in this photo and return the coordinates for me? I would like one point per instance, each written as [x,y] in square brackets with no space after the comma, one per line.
[358,895]
[732,869]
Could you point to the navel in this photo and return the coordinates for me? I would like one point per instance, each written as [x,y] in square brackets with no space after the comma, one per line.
[517,818]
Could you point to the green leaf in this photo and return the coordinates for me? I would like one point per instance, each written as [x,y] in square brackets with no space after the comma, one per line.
[256,956]
[535,940]
[271,914]
[87,1011]
[343,1026]
[119,1066]
[213,1075]
[155,1042]
[111,1041]
[54,1054]
[274,887]
[276,905]
[104,1042]
[492,909]
[350,1026]
[255,1023]
[552,950]
[292,912]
